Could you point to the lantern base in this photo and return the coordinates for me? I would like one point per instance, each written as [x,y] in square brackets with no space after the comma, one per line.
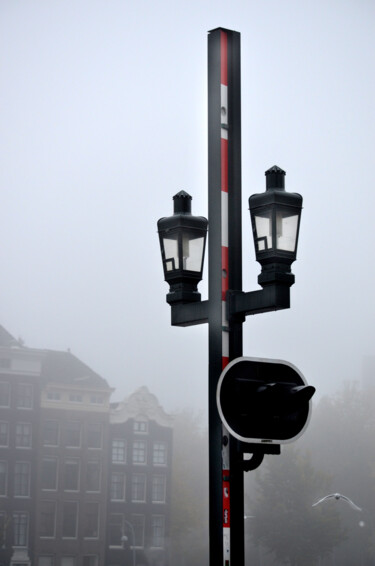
[183,293]
[278,273]
[183,297]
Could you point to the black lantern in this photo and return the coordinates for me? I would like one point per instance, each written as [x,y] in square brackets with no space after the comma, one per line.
[275,217]
[182,243]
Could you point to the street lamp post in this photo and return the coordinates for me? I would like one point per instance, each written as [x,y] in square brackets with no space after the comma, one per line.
[124,539]
[275,218]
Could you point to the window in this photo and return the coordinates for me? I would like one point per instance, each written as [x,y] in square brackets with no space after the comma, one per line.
[117,486]
[140,426]
[46,561]
[53,395]
[71,475]
[97,399]
[159,454]
[4,434]
[91,520]
[49,473]
[138,522]
[3,478]
[158,489]
[50,433]
[116,529]
[4,521]
[75,398]
[70,519]
[93,476]
[118,451]
[47,519]
[4,394]
[94,435]
[139,452]
[22,479]
[68,561]
[157,531]
[23,435]
[20,528]
[139,487]
[90,560]
[72,434]
[24,398]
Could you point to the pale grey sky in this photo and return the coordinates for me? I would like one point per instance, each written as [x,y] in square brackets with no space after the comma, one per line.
[103,118]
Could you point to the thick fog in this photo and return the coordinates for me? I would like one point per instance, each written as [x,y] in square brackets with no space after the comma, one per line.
[104,118]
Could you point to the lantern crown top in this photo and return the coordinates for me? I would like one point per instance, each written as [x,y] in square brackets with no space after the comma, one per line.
[182,203]
[275,178]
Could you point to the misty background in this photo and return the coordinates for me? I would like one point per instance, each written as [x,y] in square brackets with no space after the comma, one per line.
[104,118]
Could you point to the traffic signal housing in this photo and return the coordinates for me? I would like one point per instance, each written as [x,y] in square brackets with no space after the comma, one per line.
[263,400]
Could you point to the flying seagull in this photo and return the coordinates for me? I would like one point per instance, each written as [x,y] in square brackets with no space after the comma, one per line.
[338,496]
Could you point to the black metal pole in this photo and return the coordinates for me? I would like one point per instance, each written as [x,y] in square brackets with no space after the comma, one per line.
[215,303]
[237,545]
[225,272]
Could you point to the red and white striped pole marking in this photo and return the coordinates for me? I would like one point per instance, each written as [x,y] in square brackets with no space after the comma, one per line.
[224,279]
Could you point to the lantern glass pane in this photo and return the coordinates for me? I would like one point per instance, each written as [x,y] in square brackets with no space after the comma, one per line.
[286,230]
[192,252]
[171,252]
[263,228]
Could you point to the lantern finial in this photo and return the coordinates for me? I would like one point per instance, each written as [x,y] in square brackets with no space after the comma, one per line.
[182,203]
[275,178]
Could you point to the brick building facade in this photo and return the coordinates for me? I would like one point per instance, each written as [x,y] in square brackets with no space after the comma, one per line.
[82,482]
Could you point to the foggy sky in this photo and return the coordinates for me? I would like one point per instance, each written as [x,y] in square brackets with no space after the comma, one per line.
[103,119]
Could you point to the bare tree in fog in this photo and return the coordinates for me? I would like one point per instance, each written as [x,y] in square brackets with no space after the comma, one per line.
[341,439]
[284,521]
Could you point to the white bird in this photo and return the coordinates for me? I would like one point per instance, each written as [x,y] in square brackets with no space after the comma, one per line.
[338,496]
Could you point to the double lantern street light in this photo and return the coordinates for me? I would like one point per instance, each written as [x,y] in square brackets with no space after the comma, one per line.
[275,218]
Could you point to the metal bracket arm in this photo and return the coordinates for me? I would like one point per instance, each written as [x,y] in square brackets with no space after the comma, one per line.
[258,451]
[239,304]
[270,298]
[189,314]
